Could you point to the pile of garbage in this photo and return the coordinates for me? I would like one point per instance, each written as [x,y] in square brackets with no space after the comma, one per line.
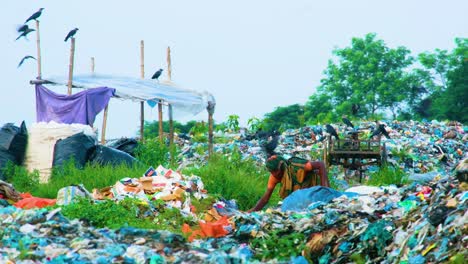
[413,224]
[417,147]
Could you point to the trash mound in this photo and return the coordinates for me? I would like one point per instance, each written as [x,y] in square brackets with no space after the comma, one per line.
[416,147]
[412,224]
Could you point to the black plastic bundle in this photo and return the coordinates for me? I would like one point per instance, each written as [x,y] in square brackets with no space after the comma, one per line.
[103,155]
[127,145]
[76,147]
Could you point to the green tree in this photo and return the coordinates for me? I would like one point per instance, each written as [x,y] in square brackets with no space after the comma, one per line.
[233,123]
[151,129]
[370,74]
[443,73]
[283,118]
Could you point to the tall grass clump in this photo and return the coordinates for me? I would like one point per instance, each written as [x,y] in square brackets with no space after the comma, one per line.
[91,176]
[21,178]
[388,175]
[153,152]
[232,177]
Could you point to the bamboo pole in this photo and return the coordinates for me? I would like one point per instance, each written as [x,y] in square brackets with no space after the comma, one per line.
[210,108]
[92,65]
[169,65]
[70,69]
[171,126]
[142,105]
[160,115]
[38,42]
[106,109]
[169,77]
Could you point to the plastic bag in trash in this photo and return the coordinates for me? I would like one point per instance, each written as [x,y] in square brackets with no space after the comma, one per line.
[70,194]
[300,199]
[127,145]
[103,155]
[75,147]
[14,140]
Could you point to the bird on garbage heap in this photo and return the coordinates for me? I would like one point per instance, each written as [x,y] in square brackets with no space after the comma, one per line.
[25,58]
[71,34]
[332,131]
[157,74]
[270,146]
[35,16]
[347,122]
[379,129]
[25,33]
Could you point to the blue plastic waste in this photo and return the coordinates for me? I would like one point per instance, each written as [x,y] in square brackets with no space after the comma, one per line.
[300,199]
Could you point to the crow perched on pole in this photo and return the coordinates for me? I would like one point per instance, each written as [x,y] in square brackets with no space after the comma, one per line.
[35,16]
[332,131]
[25,58]
[347,122]
[71,34]
[157,74]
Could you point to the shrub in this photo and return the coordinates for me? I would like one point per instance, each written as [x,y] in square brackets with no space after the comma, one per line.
[234,178]
[388,175]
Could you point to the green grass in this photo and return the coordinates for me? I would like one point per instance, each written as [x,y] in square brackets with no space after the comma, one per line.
[234,178]
[388,175]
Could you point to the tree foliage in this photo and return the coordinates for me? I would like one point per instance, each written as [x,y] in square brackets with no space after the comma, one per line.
[283,118]
[367,73]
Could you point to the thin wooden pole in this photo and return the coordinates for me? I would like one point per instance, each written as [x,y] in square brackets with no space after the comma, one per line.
[70,69]
[106,109]
[169,77]
[38,42]
[142,105]
[160,115]
[210,108]
[169,65]
[92,65]
[171,126]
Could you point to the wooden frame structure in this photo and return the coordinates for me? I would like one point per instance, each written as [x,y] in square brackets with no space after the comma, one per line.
[351,153]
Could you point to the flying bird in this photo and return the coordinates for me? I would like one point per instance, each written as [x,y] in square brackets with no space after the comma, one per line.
[25,33]
[157,74]
[332,131]
[347,122]
[22,28]
[355,109]
[35,16]
[71,34]
[25,58]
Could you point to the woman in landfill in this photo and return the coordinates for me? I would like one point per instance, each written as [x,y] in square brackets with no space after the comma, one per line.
[293,174]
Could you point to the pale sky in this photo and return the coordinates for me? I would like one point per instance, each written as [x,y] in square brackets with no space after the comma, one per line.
[251,55]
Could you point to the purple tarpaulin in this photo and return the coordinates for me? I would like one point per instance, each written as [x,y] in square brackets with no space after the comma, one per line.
[80,108]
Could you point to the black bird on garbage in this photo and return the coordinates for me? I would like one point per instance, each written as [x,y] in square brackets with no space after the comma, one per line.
[347,122]
[35,16]
[384,131]
[25,33]
[355,109]
[270,146]
[25,58]
[379,129]
[71,34]
[22,28]
[332,131]
[157,74]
